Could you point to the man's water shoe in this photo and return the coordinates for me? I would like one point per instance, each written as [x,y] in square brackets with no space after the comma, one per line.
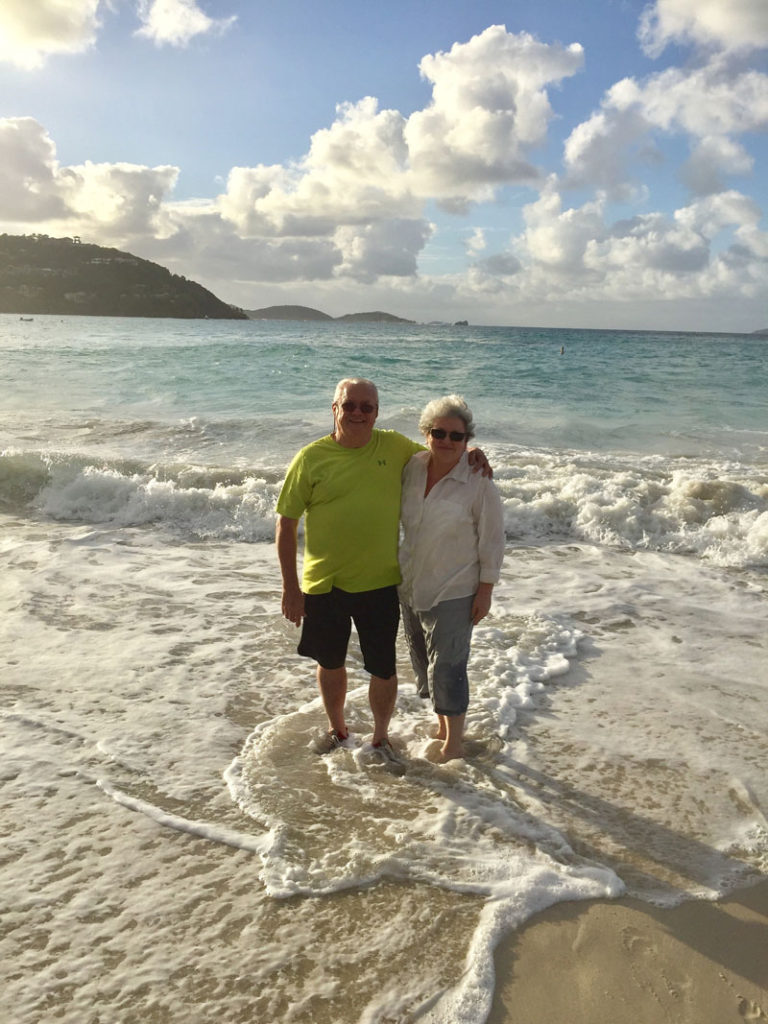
[325,742]
[386,755]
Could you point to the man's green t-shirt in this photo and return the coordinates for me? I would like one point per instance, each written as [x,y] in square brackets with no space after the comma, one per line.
[351,500]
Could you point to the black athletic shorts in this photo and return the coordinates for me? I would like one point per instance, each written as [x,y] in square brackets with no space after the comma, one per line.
[328,623]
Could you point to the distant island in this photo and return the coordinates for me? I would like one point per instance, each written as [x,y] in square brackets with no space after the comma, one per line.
[43,275]
[307,313]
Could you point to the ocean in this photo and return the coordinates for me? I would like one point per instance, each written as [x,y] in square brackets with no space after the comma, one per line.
[173,849]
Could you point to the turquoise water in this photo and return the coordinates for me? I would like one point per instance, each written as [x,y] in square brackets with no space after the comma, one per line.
[178,851]
[636,391]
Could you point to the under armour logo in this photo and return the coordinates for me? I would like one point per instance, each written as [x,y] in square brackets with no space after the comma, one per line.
[382,462]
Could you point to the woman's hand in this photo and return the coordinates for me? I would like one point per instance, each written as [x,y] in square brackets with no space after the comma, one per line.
[482,602]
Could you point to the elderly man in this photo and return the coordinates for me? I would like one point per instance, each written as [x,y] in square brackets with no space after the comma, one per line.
[347,485]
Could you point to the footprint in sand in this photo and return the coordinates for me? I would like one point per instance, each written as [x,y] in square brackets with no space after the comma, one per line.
[751,1011]
[637,943]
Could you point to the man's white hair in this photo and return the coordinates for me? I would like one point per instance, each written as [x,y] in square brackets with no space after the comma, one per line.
[347,382]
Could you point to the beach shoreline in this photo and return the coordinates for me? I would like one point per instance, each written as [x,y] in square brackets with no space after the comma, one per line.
[628,962]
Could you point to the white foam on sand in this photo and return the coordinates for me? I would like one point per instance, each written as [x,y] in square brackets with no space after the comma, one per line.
[618,737]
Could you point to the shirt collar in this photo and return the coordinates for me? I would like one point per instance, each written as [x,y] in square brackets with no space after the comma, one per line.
[461,471]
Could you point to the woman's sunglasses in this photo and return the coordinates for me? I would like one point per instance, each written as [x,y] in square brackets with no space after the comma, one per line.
[455,435]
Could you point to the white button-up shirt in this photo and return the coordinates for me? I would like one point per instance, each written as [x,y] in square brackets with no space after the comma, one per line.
[453,538]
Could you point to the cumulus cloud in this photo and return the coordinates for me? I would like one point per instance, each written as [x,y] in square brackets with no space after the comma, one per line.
[128,205]
[371,164]
[477,242]
[29,176]
[500,264]
[557,239]
[709,216]
[707,251]
[736,25]
[31,30]
[713,99]
[109,202]
[709,105]
[489,108]
[711,160]
[354,173]
[354,205]
[649,243]
[385,249]
[371,168]
[578,252]
[599,152]
[352,210]
[206,247]
[122,200]
[176,22]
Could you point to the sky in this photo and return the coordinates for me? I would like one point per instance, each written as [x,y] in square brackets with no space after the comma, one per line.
[601,164]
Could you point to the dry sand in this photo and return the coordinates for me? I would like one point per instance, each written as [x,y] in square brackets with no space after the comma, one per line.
[625,962]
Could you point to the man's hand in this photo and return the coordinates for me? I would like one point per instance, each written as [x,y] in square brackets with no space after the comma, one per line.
[293,600]
[293,606]
[477,460]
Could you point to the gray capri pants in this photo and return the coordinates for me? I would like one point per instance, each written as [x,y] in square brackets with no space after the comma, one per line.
[438,643]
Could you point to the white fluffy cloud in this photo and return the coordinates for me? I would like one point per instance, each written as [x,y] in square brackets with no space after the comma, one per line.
[371,164]
[29,176]
[712,247]
[123,200]
[489,108]
[477,242]
[108,202]
[709,105]
[711,250]
[354,209]
[176,22]
[366,178]
[31,30]
[354,173]
[205,247]
[714,99]
[385,249]
[556,239]
[731,25]
[711,160]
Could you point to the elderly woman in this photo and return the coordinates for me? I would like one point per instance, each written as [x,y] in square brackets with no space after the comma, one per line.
[450,558]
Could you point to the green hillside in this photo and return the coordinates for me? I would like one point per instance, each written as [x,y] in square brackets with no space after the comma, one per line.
[39,274]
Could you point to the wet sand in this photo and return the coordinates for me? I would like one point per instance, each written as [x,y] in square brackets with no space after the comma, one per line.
[625,962]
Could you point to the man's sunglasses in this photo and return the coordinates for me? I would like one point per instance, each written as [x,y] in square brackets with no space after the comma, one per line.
[364,407]
[455,435]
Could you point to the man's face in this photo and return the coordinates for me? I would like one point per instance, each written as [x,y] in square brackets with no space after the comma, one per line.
[354,414]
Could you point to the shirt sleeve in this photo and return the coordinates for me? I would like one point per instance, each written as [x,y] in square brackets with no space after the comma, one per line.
[408,448]
[489,517]
[296,491]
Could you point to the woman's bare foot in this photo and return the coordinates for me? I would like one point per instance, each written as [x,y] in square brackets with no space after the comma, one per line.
[435,753]
[451,753]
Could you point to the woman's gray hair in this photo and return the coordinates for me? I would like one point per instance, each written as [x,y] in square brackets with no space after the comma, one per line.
[447,406]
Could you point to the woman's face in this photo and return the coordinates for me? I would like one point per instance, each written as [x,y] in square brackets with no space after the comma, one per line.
[444,450]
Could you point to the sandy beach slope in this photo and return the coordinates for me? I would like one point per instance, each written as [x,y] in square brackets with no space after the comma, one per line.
[625,962]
